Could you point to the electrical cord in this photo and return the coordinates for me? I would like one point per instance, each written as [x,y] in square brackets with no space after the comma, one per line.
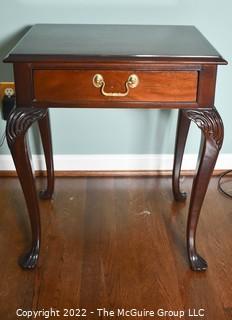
[220,183]
[8,104]
[3,138]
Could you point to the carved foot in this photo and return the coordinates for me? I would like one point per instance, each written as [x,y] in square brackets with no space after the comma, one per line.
[45,195]
[180,196]
[197,263]
[29,260]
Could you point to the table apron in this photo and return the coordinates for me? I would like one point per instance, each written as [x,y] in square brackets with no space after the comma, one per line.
[71,86]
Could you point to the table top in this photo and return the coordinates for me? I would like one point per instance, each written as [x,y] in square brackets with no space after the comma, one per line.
[59,42]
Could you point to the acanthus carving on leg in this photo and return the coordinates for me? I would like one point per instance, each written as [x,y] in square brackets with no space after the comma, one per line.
[20,120]
[210,123]
[18,123]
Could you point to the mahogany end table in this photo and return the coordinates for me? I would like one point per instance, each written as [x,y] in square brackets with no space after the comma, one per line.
[115,66]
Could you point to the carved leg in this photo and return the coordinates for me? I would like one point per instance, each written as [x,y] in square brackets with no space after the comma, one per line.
[209,121]
[181,137]
[18,123]
[45,132]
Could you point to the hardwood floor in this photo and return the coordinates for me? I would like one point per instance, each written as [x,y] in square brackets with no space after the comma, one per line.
[115,243]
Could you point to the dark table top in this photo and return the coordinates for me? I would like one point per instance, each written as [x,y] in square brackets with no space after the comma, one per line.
[58,42]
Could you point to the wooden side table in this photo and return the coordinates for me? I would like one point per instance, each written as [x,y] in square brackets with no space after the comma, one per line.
[115,66]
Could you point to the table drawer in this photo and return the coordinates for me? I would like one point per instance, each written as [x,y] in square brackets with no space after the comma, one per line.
[73,86]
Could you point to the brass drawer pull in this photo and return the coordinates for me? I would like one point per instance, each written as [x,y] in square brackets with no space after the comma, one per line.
[132,82]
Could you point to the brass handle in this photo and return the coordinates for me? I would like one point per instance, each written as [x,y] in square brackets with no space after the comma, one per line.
[132,82]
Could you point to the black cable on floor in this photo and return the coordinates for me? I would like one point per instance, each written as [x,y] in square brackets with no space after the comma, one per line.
[220,183]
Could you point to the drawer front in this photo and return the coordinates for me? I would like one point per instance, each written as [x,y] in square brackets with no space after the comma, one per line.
[73,86]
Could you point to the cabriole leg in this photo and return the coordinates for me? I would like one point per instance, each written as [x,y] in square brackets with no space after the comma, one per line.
[18,123]
[210,123]
[181,137]
[45,132]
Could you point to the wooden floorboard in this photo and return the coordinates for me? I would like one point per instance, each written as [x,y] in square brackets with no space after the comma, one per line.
[117,242]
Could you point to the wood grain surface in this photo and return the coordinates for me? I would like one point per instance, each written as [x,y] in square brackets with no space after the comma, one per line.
[71,86]
[57,42]
[115,243]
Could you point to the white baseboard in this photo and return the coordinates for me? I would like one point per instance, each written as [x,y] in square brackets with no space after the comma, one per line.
[115,162]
